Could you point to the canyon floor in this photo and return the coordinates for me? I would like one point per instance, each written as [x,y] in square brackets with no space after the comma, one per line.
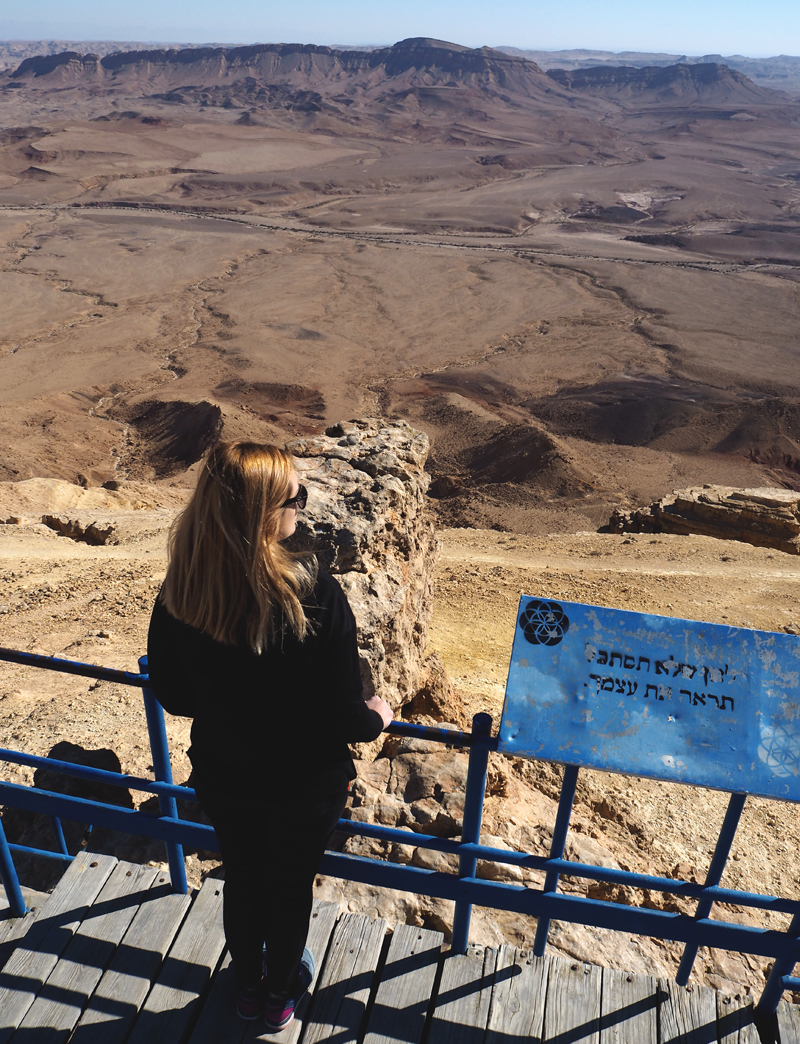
[586,298]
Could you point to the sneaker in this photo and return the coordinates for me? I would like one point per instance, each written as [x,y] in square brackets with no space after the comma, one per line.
[250,1003]
[279,1011]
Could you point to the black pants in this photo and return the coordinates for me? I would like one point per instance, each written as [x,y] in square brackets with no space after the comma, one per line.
[271,853]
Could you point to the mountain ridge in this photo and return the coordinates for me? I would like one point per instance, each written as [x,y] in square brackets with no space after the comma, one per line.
[415,52]
[418,74]
[673,82]
[779,72]
[409,65]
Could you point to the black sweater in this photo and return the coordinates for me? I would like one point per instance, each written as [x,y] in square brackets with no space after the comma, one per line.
[282,718]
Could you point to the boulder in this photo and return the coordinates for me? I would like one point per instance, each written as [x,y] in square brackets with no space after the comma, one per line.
[764,517]
[366,520]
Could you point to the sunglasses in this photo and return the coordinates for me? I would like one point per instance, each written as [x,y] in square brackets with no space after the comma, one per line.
[298,500]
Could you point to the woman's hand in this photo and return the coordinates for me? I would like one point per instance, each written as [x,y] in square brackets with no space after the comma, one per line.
[382,707]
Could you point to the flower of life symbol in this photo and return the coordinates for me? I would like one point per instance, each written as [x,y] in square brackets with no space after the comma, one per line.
[780,749]
[543,623]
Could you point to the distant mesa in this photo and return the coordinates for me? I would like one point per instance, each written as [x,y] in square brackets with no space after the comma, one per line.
[239,76]
[426,43]
[416,62]
[43,64]
[419,73]
[710,83]
[12,52]
[781,72]
[417,52]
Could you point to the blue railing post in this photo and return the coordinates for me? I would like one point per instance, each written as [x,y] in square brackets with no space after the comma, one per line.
[557,846]
[781,969]
[58,834]
[473,815]
[713,878]
[162,766]
[8,874]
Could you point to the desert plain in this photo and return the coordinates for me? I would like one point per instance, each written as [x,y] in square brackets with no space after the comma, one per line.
[584,289]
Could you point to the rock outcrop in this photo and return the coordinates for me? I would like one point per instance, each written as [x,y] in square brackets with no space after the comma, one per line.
[100,516]
[123,527]
[367,523]
[764,517]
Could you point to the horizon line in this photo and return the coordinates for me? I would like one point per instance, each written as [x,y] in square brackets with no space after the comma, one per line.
[170,44]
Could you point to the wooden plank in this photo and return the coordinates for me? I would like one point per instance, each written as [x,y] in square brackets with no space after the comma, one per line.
[518,997]
[172,1004]
[735,1023]
[12,929]
[462,1006]
[628,1008]
[323,922]
[688,1013]
[340,1000]
[573,1002]
[134,967]
[29,966]
[788,1023]
[54,1013]
[218,1023]
[406,986]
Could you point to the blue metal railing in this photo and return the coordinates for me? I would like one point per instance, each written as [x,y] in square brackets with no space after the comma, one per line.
[465,889]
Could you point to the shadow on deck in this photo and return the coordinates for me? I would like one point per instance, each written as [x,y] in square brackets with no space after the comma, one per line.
[113,956]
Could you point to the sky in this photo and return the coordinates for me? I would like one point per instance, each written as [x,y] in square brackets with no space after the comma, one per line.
[691,27]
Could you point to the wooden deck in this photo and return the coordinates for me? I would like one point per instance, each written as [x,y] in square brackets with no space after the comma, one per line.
[112,956]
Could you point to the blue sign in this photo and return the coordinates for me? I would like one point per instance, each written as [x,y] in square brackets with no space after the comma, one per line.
[655,696]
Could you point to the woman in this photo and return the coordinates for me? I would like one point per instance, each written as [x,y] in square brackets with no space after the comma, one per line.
[259,647]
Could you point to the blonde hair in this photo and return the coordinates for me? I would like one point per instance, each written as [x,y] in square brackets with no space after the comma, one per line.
[228,575]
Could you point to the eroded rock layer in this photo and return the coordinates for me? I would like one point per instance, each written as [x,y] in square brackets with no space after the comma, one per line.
[764,517]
